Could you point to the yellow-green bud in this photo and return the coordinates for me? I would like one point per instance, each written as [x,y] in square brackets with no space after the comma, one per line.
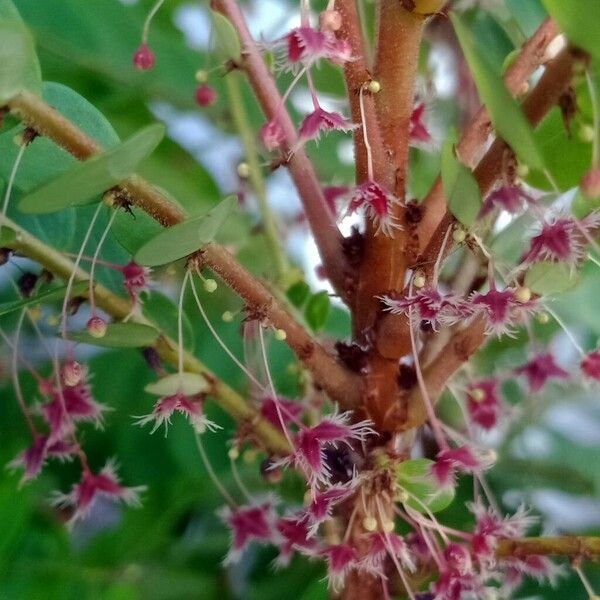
[210,285]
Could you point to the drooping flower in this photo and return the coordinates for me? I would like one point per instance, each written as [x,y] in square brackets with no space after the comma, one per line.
[383,544]
[428,304]
[419,134]
[282,409]
[484,403]
[502,309]
[341,559]
[332,193]
[322,504]
[32,459]
[540,568]
[179,402]
[135,279]
[144,58]
[205,95]
[590,365]
[453,585]
[539,370]
[272,134]
[321,120]
[458,558]
[295,536]
[249,523]
[377,203]
[91,486]
[511,198]
[448,462]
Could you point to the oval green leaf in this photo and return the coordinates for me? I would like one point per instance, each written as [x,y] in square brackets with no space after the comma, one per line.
[317,310]
[228,42]
[550,278]
[185,383]
[185,238]
[120,335]
[88,179]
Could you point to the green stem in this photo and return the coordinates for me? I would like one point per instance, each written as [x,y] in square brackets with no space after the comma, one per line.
[240,117]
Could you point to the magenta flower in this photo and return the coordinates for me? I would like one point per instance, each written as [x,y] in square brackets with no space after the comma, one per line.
[312,442]
[455,586]
[590,365]
[511,198]
[341,559]
[166,406]
[430,305]
[272,135]
[92,486]
[452,460]
[247,524]
[539,370]
[501,308]
[322,505]
[143,58]
[540,568]
[458,558]
[295,536]
[377,203]
[484,404]
[383,544]
[135,279]
[332,193]
[321,120]
[288,409]
[32,459]
[205,95]
[419,134]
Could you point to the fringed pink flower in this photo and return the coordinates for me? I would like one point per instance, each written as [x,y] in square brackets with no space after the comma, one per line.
[458,558]
[332,194]
[135,279]
[92,486]
[419,133]
[272,135]
[382,545]
[510,198]
[540,568]
[321,120]
[590,365]
[341,559]
[282,409]
[295,536]
[248,524]
[377,204]
[33,459]
[322,505]
[448,462]
[539,370]
[484,404]
[168,405]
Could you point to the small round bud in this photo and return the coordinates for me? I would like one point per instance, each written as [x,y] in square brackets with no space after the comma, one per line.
[96,327]
[19,139]
[205,95]
[590,183]
[249,456]
[72,374]
[490,455]
[523,295]
[522,170]
[388,526]
[374,86]
[330,20]
[144,58]
[587,133]
[227,316]
[459,235]
[543,318]
[243,170]
[201,76]
[280,335]
[35,313]
[233,453]
[419,281]
[210,285]
[370,523]
[477,394]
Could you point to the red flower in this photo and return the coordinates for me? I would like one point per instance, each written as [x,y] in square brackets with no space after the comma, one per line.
[104,484]
[144,58]
[322,504]
[272,135]
[590,365]
[511,198]
[295,535]
[539,370]
[484,403]
[341,559]
[419,134]
[32,459]
[321,120]
[135,279]
[383,544]
[377,204]
[288,409]
[452,460]
[205,95]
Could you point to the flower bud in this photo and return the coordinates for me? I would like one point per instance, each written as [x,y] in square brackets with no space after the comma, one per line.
[227,316]
[477,394]
[370,523]
[96,327]
[280,335]
[459,235]
[330,20]
[590,183]
[522,170]
[201,76]
[210,285]
[587,133]
[374,86]
[523,295]
[419,281]
[243,170]
[72,373]
[205,95]
[144,58]
[233,453]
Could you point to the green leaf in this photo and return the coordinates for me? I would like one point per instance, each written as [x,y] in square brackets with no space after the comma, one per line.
[579,21]
[529,14]
[189,384]
[185,238]
[460,187]
[163,312]
[7,237]
[298,293]
[414,477]
[82,184]
[120,335]
[54,294]
[550,278]
[228,41]
[20,65]
[133,228]
[317,310]
[507,117]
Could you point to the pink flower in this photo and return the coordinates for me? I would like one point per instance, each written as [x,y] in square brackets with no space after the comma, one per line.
[452,460]
[590,365]
[540,568]
[341,559]
[321,120]
[306,46]
[104,484]
[484,403]
[144,58]
[247,524]
[322,505]
[288,409]
[377,203]
[501,309]
[135,279]
[32,459]
[428,304]
[458,558]
[455,586]
[383,544]
[166,406]
[419,134]
[272,135]
[511,198]
[539,370]
[312,442]
[332,193]
[205,95]
[295,535]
